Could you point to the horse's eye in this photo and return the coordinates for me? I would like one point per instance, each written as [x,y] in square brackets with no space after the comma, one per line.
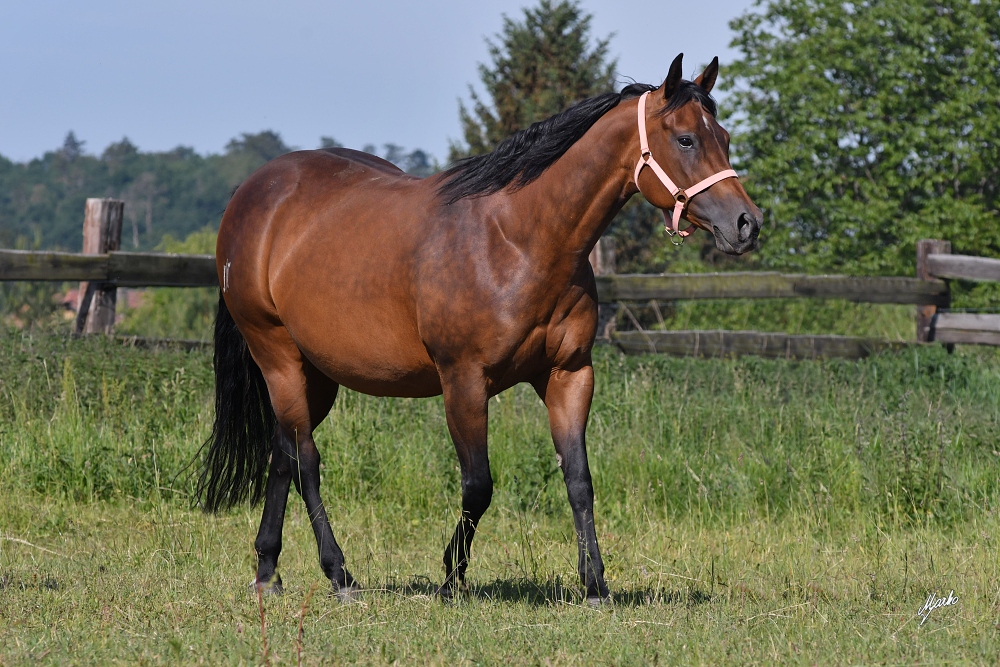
[686,142]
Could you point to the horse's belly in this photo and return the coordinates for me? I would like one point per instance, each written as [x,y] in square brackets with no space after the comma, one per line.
[384,380]
[381,361]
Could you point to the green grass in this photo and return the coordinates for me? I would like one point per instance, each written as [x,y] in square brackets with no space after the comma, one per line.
[750,511]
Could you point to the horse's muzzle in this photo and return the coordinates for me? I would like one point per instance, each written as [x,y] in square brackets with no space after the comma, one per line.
[747,229]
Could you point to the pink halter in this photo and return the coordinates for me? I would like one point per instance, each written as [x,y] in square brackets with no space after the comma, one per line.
[681,197]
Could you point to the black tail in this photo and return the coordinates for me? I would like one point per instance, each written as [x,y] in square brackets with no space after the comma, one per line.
[235,464]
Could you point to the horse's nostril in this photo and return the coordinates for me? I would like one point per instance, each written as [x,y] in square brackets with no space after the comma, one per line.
[743,227]
[747,226]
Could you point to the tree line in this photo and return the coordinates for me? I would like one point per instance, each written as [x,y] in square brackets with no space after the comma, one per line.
[167,194]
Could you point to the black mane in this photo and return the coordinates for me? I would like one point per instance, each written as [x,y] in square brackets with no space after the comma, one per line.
[523,156]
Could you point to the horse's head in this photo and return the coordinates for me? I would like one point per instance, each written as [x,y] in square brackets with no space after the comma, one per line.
[693,149]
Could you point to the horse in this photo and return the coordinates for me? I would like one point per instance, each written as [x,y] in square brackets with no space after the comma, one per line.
[338,269]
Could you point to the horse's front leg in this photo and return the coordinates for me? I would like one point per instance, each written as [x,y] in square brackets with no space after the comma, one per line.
[567,395]
[465,404]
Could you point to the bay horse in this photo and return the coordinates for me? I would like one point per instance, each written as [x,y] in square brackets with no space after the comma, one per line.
[336,268]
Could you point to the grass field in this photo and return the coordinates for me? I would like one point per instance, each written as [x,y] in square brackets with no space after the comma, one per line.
[750,511]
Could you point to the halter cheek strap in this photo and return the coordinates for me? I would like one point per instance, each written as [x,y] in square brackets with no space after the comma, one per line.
[681,196]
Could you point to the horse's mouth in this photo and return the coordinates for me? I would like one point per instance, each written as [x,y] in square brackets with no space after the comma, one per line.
[741,247]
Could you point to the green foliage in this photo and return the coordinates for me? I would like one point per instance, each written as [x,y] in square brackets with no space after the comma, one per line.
[175,312]
[865,126]
[250,151]
[175,192]
[539,66]
[28,303]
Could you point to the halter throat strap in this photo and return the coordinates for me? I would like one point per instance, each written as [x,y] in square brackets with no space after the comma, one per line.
[681,196]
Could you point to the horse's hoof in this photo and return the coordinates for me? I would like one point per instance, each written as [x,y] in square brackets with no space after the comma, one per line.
[596,601]
[270,587]
[450,593]
[348,594]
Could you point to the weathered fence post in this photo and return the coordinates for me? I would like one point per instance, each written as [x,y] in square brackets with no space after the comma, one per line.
[602,259]
[925,314]
[102,233]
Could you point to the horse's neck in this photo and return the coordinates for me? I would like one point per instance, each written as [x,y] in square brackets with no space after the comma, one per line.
[568,207]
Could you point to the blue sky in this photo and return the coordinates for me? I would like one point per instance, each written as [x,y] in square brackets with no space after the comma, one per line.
[197,73]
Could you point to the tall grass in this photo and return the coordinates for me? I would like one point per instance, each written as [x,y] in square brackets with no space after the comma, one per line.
[909,437]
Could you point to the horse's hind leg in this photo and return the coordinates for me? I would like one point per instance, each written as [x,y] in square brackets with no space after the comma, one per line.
[302,397]
[268,542]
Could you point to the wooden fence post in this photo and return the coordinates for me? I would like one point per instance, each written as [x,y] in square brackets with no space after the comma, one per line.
[102,233]
[602,259]
[925,314]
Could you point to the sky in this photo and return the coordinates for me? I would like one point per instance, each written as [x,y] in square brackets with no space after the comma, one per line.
[198,73]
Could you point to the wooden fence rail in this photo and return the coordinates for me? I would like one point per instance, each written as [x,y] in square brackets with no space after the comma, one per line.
[121,269]
[763,285]
[963,267]
[969,328]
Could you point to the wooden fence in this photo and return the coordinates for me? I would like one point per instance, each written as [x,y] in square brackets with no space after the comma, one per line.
[929,292]
[101,273]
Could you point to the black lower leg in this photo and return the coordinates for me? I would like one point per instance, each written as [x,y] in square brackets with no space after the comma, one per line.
[580,489]
[476,496]
[268,542]
[331,557]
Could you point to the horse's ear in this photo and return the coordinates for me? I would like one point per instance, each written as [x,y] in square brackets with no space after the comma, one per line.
[673,77]
[707,78]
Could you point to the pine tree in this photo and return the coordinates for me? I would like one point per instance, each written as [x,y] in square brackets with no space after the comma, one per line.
[539,66]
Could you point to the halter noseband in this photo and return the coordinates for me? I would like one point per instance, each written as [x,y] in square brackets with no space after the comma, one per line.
[681,197]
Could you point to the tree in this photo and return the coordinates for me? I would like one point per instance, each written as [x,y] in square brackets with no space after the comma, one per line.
[538,67]
[261,147]
[416,162]
[72,147]
[864,125]
[139,197]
